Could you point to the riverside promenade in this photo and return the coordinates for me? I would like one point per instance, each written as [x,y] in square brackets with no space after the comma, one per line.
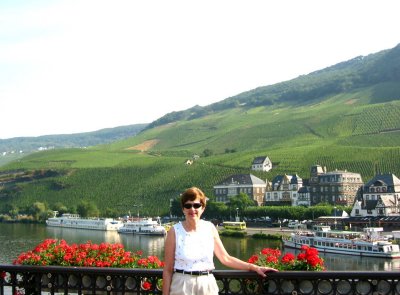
[268,230]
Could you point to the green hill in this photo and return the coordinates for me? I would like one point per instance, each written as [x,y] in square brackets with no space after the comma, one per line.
[15,148]
[342,117]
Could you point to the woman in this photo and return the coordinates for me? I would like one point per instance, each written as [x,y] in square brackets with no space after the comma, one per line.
[189,250]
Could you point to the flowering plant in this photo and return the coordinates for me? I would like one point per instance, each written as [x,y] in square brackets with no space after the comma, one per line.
[307,259]
[58,252]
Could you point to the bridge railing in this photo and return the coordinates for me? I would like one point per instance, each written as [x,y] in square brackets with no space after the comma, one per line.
[18,280]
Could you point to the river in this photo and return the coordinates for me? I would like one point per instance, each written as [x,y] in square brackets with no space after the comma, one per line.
[17,238]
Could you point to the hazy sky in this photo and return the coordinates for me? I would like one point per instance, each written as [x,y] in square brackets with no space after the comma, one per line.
[82,65]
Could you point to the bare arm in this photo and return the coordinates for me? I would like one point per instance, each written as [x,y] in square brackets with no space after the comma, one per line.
[169,259]
[233,262]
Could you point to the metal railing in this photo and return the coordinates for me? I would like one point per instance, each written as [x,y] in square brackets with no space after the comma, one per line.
[18,280]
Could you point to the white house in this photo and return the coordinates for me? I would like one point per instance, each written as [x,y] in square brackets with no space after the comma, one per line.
[380,197]
[261,164]
[286,189]
[232,186]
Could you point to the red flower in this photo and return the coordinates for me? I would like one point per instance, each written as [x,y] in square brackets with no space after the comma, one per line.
[54,252]
[253,259]
[304,247]
[146,285]
[307,259]
[142,262]
[271,259]
[301,256]
[288,258]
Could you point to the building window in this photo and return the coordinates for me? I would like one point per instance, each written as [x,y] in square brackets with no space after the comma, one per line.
[232,192]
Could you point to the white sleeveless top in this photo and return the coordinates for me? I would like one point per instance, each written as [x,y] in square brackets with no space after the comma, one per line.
[194,251]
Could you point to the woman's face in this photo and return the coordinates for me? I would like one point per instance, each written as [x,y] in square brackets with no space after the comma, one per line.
[193,210]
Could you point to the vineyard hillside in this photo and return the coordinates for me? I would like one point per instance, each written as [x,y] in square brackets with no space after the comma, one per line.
[354,128]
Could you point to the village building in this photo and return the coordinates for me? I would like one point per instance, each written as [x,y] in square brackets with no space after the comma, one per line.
[379,197]
[303,195]
[284,190]
[233,185]
[261,164]
[335,187]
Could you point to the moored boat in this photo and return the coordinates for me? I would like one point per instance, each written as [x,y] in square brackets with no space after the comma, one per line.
[367,243]
[68,220]
[143,226]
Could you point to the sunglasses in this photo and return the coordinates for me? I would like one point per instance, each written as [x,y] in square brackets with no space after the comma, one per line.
[194,205]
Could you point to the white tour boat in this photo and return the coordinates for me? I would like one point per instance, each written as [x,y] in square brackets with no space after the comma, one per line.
[366,243]
[68,220]
[143,226]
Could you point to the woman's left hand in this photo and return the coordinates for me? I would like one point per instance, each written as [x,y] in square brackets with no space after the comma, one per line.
[261,270]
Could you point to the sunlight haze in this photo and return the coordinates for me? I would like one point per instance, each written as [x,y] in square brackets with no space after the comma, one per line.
[78,66]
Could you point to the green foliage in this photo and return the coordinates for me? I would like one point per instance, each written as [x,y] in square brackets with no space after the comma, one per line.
[233,233]
[262,236]
[207,153]
[349,76]
[18,147]
[87,209]
[240,202]
[39,211]
[288,212]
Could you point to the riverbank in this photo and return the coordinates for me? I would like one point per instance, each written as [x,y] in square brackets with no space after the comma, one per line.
[268,230]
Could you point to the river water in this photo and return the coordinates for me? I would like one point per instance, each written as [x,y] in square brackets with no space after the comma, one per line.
[17,238]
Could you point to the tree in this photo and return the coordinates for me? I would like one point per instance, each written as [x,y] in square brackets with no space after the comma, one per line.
[241,202]
[87,209]
[109,212]
[208,152]
[60,207]
[12,210]
[216,210]
[176,209]
[39,211]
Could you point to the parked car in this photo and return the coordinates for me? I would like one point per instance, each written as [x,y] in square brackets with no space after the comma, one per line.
[293,224]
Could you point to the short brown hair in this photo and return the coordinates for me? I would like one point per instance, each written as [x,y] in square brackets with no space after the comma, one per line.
[192,194]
